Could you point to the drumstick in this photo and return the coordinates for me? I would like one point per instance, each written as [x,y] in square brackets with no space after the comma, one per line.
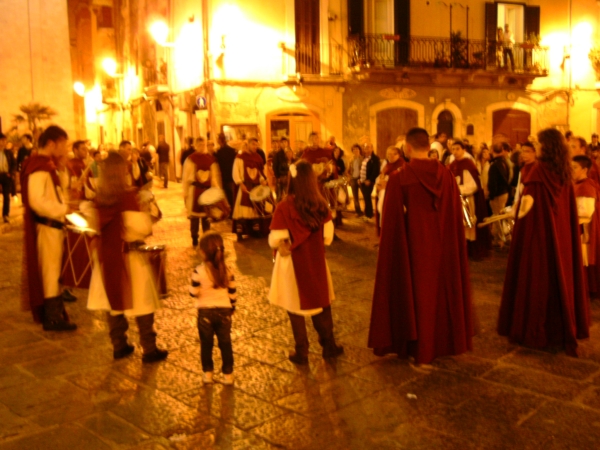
[489,220]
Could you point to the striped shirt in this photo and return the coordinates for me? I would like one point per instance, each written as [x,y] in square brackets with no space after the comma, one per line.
[206,295]
[363,169]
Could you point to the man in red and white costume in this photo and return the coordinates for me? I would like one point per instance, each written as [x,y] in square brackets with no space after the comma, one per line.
[45,209]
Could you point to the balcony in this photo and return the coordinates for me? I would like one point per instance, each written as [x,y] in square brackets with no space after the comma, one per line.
[156,79]
[440,60]
[313,61]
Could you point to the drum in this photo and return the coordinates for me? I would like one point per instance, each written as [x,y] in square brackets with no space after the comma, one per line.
[77,258]
[214,204]
[262,201]
[336,194]
[148,203]
[157,258]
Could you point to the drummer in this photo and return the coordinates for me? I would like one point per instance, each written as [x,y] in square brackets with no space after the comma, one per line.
[200,172]
[248,173]
[75,168]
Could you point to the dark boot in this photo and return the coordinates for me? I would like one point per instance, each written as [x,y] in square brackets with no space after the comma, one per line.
[118,326]
[68,296]
[300,356]
[323,323]
[55,316]
[148,339]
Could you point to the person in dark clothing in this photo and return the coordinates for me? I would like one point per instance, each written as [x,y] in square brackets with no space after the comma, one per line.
[146,155]
[162,150]
[369,171]
[25,150]
[225,158]
[7,170]
[281,168]
[498,183]
[260,151]
[188,151]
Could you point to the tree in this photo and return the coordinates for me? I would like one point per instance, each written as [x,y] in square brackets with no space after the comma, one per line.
[34,114]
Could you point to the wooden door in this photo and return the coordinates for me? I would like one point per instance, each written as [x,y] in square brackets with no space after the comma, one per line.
[512,123]
[392,123]
[308,36]
[296,126]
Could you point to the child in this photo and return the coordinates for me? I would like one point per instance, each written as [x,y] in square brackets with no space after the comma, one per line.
[213,287]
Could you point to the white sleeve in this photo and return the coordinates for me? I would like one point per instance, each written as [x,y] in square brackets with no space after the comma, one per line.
[526,205]
[187,177]
[469,187]
[238,171]
[276,236]
[328,231]
[135,170]
[585,207]
[215,175]
[42,198]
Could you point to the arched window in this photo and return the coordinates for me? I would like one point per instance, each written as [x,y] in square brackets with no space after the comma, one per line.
[445,123]
[470,130]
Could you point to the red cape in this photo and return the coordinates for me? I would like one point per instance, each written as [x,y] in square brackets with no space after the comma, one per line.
[32,286]
[422,299]
[480,248]
[315,155]
[544,300]
[588,188]
[308,255]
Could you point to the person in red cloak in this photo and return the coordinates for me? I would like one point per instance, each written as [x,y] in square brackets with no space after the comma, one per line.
[248,173]
[414,313]
[200,172]
[479,240]
[544,300]
[587,198]
[45,209]
[301,282]
[392,164]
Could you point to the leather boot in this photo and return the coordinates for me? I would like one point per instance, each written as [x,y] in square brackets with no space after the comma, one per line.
[323,323]
[148,339]
[118,326]
[300,355]
[55,317]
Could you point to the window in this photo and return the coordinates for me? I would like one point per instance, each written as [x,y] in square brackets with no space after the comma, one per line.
[104,17]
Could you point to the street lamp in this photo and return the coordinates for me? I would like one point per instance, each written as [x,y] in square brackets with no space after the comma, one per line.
[109,65]
[159,31]
[79,88]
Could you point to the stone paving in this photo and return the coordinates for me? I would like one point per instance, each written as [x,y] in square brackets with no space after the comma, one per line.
[63,390]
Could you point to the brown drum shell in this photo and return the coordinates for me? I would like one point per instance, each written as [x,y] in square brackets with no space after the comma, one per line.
[157,258]
[217,212]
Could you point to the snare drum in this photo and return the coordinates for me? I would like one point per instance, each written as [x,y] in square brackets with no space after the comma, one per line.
[157,258]
[77,259]
[262,201]
[214,204]
[336,194]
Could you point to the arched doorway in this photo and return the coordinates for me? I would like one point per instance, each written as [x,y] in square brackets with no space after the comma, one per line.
[391,123]
[445,123]
[514,123]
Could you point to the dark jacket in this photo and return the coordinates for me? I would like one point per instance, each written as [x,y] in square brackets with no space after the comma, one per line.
[163,150]
[10,159]
[22,155]
[225,158]
[187,152]
[261,152]
[373,166]
[498,182]
[341,166]
[280,164]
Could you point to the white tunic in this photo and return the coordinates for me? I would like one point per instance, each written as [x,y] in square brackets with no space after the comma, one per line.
[189,176]
[137,226]
[240,211]
[585,210]
[284,287]
[46,201]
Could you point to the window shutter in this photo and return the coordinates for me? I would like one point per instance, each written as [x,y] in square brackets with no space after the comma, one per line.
[356,13]
[532,21]
[491,21]
[402,28]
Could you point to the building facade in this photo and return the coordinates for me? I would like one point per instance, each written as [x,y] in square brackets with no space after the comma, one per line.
[355,69]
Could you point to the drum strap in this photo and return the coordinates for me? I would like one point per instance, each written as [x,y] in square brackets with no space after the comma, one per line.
[132,246]
[48,222]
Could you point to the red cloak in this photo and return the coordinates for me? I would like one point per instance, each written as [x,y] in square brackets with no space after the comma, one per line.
[308,254]
[480,248]
[387,170]
[422,299]
[588,188]
[32,286]
[315,155]
[544,300]
[202,161]
[594,173]
[115,273]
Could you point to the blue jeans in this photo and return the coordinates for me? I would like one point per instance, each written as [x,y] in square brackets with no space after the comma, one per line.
[211,322]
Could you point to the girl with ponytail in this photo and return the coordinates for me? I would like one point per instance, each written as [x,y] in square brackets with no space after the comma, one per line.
[213,287]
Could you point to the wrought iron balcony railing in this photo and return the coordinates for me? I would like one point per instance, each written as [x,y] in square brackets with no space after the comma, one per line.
[323,59]
[154,76]
[380,50]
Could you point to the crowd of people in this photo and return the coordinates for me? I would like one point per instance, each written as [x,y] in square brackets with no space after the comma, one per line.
[431,199]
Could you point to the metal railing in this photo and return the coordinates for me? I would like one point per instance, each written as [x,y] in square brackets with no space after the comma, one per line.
[155,75]
[381,50]
[324,59]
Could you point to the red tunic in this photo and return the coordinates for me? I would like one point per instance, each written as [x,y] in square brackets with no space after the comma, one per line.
[202,161]
[594,173]
[480,248]
[251,161]
[544,300]
[33,291]
[422,299]
[308,254]
[75,167]
[315,155]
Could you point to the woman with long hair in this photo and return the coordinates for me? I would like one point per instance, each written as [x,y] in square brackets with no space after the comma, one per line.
[544,300]
[482,162]
[354,177]
[301,282]
[122,282]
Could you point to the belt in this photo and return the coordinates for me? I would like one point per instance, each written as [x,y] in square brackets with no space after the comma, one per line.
[132,246]
[48,222]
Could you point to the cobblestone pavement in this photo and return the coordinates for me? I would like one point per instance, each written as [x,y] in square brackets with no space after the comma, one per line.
[63,390]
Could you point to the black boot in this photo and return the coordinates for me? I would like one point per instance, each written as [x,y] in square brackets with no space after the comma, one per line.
[55,316]
[118,326]
[323,323]
[300,355]
[148,340]
[67,296]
